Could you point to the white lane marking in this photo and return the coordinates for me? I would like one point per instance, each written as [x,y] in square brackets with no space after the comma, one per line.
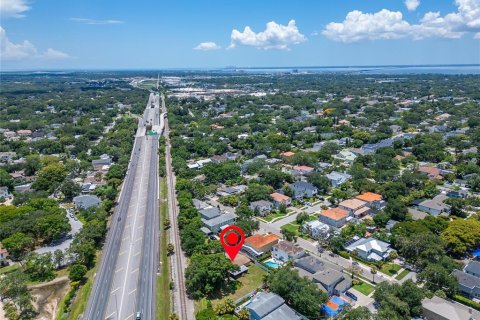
[119,269]
[132,291]
[133,271]
[114,290]
[123,252]
[111,314]
[134,224]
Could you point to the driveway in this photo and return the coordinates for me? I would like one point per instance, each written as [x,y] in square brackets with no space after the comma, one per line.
[63,245]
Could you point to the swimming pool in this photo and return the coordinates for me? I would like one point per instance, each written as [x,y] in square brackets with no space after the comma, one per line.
[272,264]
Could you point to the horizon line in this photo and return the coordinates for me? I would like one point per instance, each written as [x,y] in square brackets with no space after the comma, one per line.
[238,67]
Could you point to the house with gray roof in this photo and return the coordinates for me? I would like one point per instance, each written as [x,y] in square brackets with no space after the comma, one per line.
[213,219]
[270,306]
[303,189]
[434,206]
[437,308]
[469,279]
[328,277]
[86,201]
[104,160]
[370,249]
[262,207]
[210,213]
[337,178]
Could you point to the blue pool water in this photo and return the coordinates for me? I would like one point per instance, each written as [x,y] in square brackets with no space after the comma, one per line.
[272,264]
[476,253]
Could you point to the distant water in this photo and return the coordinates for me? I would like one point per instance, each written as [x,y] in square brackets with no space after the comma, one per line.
[440,69]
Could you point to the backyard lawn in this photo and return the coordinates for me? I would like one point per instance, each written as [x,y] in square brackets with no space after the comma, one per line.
[390,269]
[364,288]
[248,282]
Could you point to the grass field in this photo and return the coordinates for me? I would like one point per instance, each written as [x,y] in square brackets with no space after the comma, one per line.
[402,274]
[250,281]
[293,227]
[390,269]
[274,215]
[9,268]
[364,288]
[163,280]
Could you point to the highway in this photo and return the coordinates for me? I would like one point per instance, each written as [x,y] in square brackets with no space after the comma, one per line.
[125,281]
[182,304]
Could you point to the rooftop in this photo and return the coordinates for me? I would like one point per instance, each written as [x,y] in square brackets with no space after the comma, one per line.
[290,248]
[287,154]
[449,310]
[279,197]
[369,197]
[258,240]
[335,213]
[352,203]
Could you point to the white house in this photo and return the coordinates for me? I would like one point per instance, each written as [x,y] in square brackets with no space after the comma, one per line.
[285,251]
[370,249]
[316,229]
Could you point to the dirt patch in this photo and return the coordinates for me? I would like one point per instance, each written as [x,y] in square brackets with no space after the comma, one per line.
[48,295]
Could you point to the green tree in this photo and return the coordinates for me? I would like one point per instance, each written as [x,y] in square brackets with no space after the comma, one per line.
[207,273]
[437,277]
[77,272]
[320,181]
[18,244]
[300,293]
[403,301]
[462,236]
[5,179]
[70,189]
[360,313]
[39,267]
[32,164]
[50,177]
[13,288]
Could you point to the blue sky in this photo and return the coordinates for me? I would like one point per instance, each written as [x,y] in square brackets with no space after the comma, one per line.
[105,34]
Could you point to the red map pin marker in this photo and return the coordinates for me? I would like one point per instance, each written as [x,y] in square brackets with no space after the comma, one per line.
[232,239]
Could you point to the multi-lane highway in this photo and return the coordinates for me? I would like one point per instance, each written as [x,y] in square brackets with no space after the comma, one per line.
[125,281]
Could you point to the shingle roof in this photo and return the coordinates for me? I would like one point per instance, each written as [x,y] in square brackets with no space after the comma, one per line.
[210,213]
[352,203]
[473,267]
[366,245]
[466,279]
[265,302]
[288,247]
[219,219]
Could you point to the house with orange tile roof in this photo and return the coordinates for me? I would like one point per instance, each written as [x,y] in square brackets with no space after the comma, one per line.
[373,200]
[258,244]
[279,199]
[335,217]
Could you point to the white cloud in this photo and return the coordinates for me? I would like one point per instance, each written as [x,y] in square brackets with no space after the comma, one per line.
[13,8]
[25,50]
[207,46]
[412,5]
[55,54]
[275,36]
[387,24]
[93,21]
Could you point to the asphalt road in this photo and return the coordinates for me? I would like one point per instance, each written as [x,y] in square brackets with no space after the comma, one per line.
[125,281]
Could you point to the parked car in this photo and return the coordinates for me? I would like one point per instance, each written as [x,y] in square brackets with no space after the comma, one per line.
[351,295]
[355,263]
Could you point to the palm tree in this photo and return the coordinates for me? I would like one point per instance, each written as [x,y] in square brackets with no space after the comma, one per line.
[373,271]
